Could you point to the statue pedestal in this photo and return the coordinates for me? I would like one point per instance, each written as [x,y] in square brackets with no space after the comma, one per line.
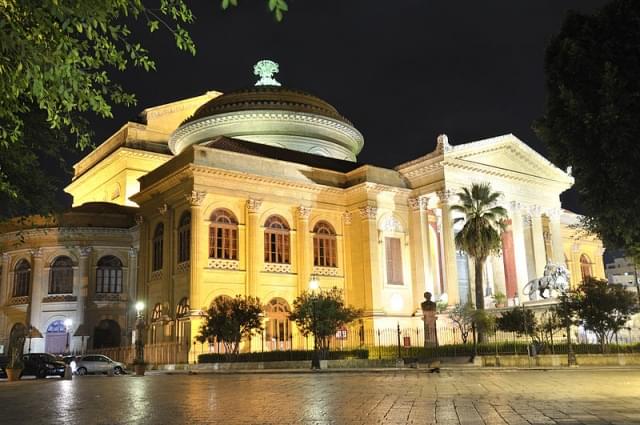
[429,319]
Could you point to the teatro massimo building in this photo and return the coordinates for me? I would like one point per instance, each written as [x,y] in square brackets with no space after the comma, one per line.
[253,192]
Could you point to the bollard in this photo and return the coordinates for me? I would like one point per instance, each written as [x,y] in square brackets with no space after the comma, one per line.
[67,373]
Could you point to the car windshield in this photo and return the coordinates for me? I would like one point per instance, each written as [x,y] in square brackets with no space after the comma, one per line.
[49,358]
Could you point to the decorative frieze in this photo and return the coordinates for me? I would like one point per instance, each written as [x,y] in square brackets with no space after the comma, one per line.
[220,264]
[155,275]
[304,212]
[62,298]
[110,297]
[36,253]
[195,198]
[183,267]
[326,271]
[277,268]
[368,212]
[253,205]
[391,224]
[139,219]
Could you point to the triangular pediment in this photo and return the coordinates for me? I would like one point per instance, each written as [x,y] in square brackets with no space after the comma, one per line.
[507,154]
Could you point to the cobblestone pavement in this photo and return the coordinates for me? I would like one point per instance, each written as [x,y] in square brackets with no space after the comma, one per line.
[402,397]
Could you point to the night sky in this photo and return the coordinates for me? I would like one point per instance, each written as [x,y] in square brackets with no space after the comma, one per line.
[402,71]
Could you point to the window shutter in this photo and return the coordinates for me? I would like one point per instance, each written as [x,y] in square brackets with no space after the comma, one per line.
[394,260]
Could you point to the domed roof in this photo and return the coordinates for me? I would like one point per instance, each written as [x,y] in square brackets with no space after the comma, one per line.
[267,98]
[272,115]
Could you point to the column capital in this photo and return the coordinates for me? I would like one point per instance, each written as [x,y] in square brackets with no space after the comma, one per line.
[84,251]
[133,252]
[6,257]
[162,209]
[554,213]
[419,203]
[195,198]
[139,219]
[36,253]
[346,216]
[368,213]
[534,210]
[445,195]
[253,205]
[304,212]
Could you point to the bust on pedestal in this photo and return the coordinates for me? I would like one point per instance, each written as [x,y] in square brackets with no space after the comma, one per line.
[429,319]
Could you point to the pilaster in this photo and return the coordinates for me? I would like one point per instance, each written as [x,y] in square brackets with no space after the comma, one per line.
[304,261]
[37,287]
[370,262]
[199,251]
[347,262]
[83,288]
[4,279]
[253,210]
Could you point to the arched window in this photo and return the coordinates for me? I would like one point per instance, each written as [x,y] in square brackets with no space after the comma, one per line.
[158,241]
[61,276]
[223,235]
[393,233]
[182,309]
[109,275]
[585,267]
[184,238]
[278,325]
[21,279]
[183,327]
[276,240]
[324,245]
[156,314]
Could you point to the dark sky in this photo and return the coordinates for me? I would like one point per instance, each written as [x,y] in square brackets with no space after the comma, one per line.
[403,71]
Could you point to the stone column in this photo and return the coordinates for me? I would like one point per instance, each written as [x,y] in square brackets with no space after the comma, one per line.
[556,236]
[449,248]
[199,251]
[370,267]
[537,238]
[519,247]
[38,287]
[253,227]
[421,248]
[305,260]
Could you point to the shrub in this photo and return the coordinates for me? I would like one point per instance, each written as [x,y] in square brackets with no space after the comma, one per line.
[279,356]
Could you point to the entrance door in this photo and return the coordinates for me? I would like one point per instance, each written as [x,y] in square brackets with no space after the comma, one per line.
[55,341]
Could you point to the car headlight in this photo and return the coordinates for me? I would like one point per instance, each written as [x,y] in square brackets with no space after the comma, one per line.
[50,366]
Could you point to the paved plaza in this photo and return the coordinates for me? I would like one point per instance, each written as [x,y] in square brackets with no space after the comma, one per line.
[467,397]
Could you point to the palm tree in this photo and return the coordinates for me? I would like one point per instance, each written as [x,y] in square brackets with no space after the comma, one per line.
[483,224]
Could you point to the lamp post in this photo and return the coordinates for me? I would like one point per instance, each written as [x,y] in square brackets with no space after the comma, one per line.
[139,344]
[67,326]
[314,284]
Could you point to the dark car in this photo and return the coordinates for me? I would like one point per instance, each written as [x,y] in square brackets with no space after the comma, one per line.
[42,365]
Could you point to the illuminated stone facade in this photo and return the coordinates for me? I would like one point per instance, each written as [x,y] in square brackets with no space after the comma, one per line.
[255,191]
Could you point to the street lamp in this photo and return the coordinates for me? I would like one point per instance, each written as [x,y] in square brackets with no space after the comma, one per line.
[314,285]
[67,325]
[139,344]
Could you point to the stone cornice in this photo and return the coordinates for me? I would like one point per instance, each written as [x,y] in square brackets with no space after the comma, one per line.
[67,232]
[203,125]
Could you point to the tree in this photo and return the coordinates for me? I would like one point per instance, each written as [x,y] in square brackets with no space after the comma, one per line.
[602,308]
[518,320]
[231,319]
[462,316]
[483,225]
[591,116]
[57,57]
[321,314]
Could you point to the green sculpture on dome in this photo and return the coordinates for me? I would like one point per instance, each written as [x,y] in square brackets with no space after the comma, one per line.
[265,69]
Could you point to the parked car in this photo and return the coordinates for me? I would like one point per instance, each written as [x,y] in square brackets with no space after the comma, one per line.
[42,365]
[97,363]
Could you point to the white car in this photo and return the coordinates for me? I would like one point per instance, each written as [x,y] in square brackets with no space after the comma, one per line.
[97,363]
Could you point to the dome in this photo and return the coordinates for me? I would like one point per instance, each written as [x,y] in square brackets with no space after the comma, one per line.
[272,115]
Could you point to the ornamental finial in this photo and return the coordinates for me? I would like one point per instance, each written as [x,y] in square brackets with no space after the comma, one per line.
[265,70]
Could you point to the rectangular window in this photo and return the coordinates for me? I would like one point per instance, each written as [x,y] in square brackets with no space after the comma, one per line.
[393,252]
